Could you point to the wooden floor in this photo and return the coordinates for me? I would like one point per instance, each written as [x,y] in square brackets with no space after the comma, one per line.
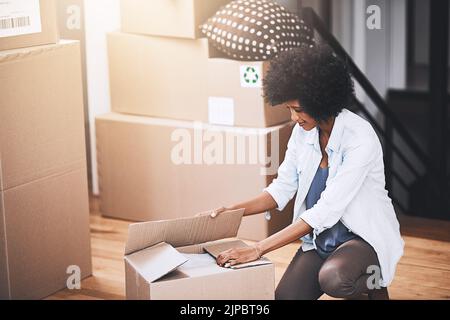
[423,272]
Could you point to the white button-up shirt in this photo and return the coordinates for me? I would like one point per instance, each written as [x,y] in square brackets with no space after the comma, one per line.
[355,190]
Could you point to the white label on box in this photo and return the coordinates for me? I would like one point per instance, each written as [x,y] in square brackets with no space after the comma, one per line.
[251,77]
[221,111]
[19,17]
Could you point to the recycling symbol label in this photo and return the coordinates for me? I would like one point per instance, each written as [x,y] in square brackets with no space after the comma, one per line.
[251,77]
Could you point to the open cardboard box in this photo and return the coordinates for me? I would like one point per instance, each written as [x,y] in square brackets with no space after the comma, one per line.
[169,260]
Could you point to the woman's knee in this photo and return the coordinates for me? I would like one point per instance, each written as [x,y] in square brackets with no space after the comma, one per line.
[335,282]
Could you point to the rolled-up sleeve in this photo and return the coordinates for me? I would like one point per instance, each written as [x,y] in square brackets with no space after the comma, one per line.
[343,187]
[284,187]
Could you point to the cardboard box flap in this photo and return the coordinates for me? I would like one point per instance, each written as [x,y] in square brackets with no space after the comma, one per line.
[184,231]
[12,55]
[156,261]
[164,122]
[215,249]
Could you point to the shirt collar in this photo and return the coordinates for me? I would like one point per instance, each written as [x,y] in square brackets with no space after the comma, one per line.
[336,134]
[334,142]
[312,136]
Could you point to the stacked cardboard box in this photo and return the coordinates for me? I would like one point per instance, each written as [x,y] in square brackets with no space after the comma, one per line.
[166,81]
[44,211]
[27,23]
[180,79]
[149,170]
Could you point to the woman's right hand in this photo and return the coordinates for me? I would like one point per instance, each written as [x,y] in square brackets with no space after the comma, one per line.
[213,213]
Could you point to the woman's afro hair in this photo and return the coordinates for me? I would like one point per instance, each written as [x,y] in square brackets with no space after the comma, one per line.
[314,76]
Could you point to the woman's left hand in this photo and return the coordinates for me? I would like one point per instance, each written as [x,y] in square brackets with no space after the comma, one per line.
[235,256]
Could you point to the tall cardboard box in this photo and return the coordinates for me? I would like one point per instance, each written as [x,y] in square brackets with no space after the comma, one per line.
[27,23]
[44,201]
[155,270]
[174,18]
[41,113]
[177,79]
[153,169]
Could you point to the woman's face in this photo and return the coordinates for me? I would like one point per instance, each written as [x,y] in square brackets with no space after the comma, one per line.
[300,116]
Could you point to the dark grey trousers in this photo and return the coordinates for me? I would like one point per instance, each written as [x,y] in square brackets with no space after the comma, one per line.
[342,275]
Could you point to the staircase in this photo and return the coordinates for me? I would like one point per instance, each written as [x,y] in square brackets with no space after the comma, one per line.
[412,108]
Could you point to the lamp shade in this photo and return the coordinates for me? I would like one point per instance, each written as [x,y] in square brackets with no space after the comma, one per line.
[256,30]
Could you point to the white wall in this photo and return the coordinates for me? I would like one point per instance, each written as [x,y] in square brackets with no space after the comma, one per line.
[380,54]
[291,5]
[359,39]
[342,23]
[398,44]
[89,21]
[101,17]
[315,4]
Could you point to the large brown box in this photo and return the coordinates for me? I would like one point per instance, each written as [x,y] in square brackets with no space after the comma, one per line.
[44,213]
[155,270]
[143,179]
[179,79]
[174,18]
[48,26]
[41,113]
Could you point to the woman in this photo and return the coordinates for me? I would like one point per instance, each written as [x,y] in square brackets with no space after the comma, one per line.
[334,166]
